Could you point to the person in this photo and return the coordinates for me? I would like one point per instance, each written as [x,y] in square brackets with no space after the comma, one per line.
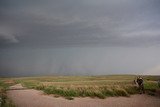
[140,84]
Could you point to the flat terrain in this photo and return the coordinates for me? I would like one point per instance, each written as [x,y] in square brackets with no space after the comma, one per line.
[80,91]
[34,98]
[89,86]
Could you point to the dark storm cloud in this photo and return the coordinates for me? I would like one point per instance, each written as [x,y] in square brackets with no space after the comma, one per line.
[7,39]
[87,22]
[79,37]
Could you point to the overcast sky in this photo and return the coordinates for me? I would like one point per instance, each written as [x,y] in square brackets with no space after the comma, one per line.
[79,37]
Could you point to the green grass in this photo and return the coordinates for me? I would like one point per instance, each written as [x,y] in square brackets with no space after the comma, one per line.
[88,86]
[151,86]
[4,101]
[91,91]
[82,86]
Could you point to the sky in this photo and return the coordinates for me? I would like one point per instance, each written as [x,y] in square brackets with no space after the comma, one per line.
[79,37]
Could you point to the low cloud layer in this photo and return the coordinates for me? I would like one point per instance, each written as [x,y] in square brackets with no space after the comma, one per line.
[86,22]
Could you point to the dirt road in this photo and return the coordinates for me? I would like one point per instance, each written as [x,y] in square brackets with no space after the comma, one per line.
[34,98]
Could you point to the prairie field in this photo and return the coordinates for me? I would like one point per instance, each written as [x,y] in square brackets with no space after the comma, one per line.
[89,86]
[70,87]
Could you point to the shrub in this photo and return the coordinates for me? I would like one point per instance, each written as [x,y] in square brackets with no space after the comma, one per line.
[4,101]
[132,89]
[108,92]
[120,92]
[39,87]
[151,86]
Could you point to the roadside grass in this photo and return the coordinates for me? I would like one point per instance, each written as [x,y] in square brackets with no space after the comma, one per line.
[151,87]
[28,83]
[88,86]
[94,91]
[4,101]
[78,86]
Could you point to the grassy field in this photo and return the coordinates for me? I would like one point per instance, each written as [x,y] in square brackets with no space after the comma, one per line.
[4,84]
[89,86]
[80,86]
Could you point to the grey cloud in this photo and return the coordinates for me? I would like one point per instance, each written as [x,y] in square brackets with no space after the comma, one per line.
[7,38]
[72,37]
[86,22]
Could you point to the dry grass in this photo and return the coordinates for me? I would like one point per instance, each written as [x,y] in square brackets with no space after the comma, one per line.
[83,86]
[4,84]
